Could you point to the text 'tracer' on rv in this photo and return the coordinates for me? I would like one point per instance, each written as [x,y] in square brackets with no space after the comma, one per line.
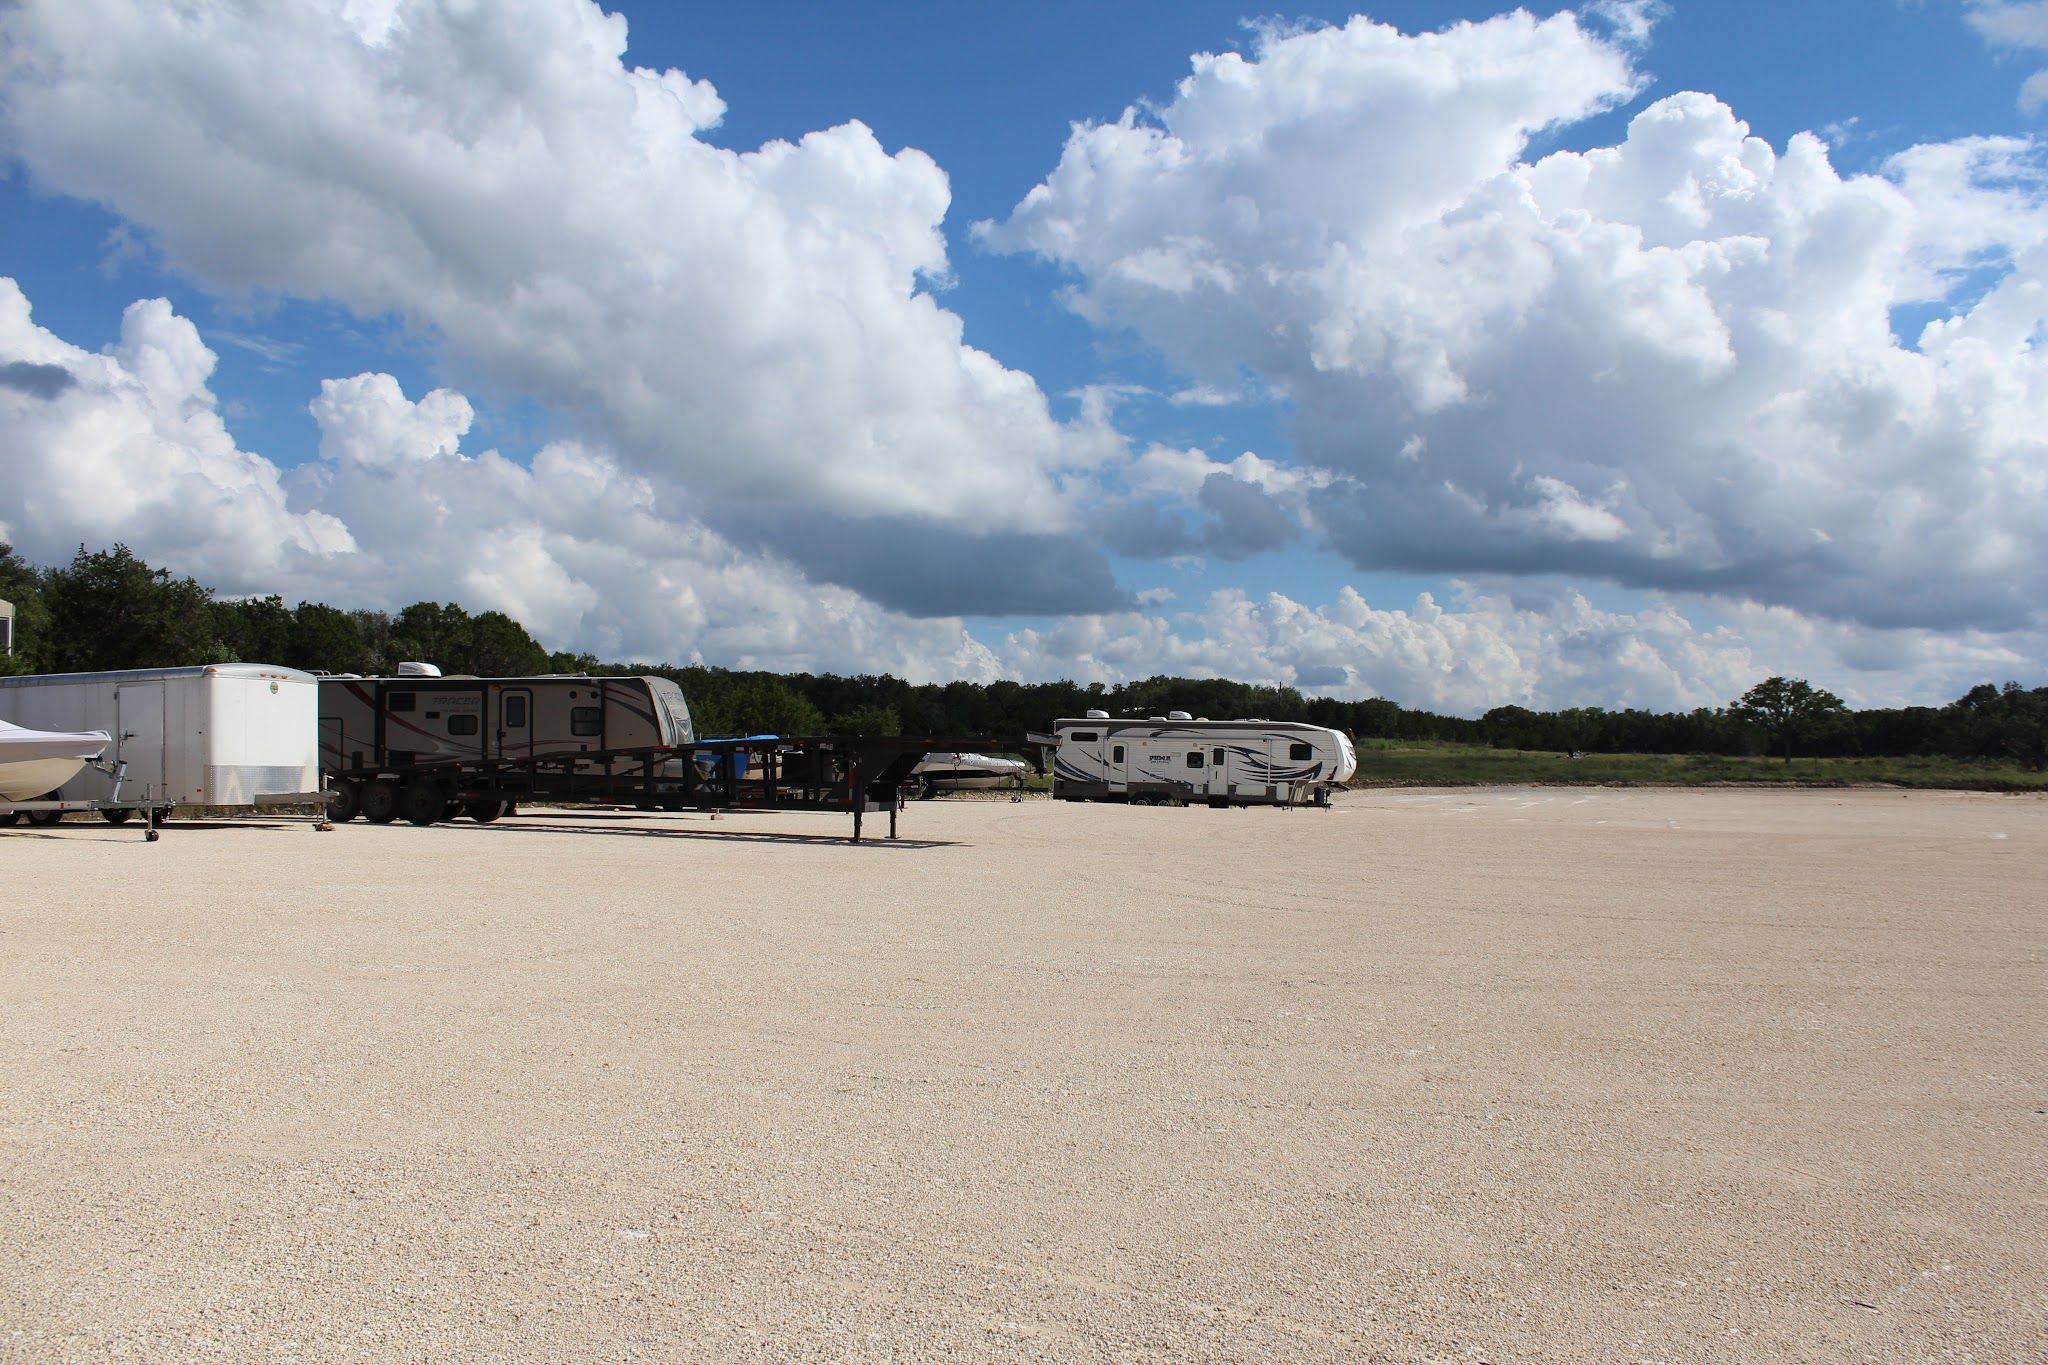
[1177,758]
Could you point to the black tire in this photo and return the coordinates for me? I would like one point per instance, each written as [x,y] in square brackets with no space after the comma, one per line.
[380,802]
[9,817]
[422,803]
[117,817]
[344,802]
[483,812]
[45,817]
[929,790]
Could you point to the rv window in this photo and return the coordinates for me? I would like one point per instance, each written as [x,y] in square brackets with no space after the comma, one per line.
[515,712]
[462,725]
[1195,759]
[1298,752]
[585,720]
[405,701]
[1216,757]
[1084,737]
[1116,753]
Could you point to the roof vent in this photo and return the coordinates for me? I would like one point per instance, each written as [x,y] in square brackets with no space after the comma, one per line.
[1178,715]
[1098,715]
[411,669]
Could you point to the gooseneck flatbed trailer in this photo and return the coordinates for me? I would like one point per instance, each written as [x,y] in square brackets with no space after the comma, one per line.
[847,774]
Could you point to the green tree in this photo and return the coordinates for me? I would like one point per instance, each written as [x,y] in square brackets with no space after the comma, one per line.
[110,610]
[255,630]
[22,584]
[1990,722]
[441,634]
[499,647]
[867,720]
[762,706]
[373,628]
[328,639]
[1788,709]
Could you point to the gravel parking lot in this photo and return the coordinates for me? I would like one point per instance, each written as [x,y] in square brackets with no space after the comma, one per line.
[1484,1075]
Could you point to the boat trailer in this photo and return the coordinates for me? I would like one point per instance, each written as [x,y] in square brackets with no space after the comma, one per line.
[111,808]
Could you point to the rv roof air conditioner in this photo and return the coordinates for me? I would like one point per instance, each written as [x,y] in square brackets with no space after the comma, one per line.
[411,669]
[1098,715]
[1178,715]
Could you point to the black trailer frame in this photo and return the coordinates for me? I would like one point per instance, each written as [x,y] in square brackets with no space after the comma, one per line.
[855,775]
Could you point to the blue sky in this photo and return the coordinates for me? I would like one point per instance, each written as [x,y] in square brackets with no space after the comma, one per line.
[1584,570]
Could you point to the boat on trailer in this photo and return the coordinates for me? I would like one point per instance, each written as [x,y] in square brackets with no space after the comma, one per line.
[946,772]
[34,763]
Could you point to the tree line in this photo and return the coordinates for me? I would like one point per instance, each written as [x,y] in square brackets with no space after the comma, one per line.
[108,609]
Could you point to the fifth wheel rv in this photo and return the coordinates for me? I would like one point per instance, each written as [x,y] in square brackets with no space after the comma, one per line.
[1217,762]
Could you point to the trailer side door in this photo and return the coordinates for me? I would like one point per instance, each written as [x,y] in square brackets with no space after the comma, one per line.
[515,722]
[139,738]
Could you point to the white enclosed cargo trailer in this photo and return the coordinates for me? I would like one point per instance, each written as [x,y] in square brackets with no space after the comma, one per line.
[214,735]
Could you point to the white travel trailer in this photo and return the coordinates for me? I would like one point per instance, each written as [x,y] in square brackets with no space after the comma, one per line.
[371,724]
[374,732]
[1176,757]
[215,735]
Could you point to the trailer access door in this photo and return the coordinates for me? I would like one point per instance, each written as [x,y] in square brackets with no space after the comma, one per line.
[139,733]
[515,723]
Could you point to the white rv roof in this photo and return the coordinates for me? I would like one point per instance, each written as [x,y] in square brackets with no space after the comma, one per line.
[1163,722]
[273,671]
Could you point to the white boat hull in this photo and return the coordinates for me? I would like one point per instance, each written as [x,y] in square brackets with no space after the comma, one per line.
[968,772]
[29,778]
[36,762]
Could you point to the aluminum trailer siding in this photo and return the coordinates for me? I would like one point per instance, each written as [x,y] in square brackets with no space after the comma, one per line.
[213,734]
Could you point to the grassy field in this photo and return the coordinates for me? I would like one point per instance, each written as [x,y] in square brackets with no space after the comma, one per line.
[1408,763]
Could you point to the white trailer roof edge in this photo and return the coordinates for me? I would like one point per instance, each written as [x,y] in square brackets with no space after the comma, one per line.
[274,671]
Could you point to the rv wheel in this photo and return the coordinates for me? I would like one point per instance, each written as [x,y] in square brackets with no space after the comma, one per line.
[421,803]
[380,802]
[344,802]
[116,816]
[483,812]
[45,817]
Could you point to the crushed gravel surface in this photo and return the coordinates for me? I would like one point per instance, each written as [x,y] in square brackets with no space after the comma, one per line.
[1503,1075]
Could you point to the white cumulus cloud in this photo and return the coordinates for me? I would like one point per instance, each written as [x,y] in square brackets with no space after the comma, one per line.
[1670,362]
[2016,25]
[755,327]
[130,446]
